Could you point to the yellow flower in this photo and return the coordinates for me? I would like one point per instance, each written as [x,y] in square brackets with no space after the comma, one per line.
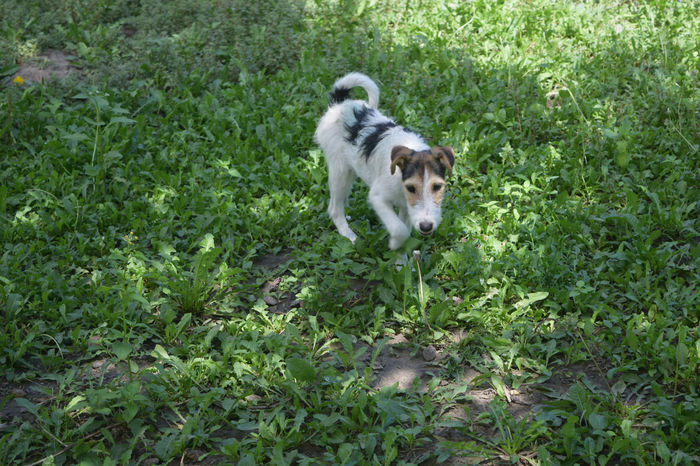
[18,80]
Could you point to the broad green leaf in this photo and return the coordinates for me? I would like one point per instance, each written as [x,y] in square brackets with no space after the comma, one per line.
[130,411]
[663,451]
[164,447]
[346,341]
[28,405]
[531,298]
[75,403]
[597,421]
[626,427]
[77,137]
[121,120]
[301,369]
[610,133]
[497,383]
[344,452]
[122,349]
[113,156]
[207,243]
[160,353]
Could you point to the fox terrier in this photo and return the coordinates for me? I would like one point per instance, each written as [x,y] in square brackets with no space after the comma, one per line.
[406,177]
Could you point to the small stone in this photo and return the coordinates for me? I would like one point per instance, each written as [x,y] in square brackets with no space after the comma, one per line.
[270,300]
[429,353]
[253,399]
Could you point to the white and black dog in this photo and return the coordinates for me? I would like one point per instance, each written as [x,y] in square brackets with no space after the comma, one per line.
[359,141]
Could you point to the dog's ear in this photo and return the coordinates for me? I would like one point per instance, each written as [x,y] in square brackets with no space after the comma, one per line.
[399,156]
[446,156]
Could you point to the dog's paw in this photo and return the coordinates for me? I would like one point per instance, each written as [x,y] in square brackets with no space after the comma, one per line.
[401,261]
[349,234]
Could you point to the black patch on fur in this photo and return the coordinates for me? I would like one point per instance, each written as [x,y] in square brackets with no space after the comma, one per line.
[373,138]
[353,130]
[339,95]
[410,168]
[437,167]
[417,164]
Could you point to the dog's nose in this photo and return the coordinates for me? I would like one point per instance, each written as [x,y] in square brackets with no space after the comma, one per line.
[425,227]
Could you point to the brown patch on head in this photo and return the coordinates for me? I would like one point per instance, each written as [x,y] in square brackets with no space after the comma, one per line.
[446,156]
[399,156]
[424,168]
[437,187]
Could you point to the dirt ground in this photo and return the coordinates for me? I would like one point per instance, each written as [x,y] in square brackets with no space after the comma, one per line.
[51,64]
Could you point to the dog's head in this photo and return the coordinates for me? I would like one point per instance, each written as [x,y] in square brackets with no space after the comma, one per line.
[423,174]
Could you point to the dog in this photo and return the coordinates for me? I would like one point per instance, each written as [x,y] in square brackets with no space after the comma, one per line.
[406,177]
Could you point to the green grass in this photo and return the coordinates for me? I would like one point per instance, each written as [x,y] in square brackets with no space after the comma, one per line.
[138,196]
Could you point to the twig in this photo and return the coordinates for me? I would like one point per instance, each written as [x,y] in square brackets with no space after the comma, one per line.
[692,147]
[51,435]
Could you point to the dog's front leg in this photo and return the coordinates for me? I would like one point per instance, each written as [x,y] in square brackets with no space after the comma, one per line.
[398,231]
[403,216]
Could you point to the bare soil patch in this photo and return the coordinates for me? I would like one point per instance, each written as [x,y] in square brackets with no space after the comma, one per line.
[50,64]
[401,364]
[12,412]
[272,261]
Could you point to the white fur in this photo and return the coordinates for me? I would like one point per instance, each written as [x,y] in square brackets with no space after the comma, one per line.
[360,80]
[347,161]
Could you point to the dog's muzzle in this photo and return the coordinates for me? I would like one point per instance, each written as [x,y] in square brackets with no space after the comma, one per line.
[425,228]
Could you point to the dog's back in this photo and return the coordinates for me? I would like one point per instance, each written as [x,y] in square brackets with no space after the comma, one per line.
[354,130]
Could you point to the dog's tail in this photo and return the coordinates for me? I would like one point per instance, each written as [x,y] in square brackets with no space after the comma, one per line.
[341,89]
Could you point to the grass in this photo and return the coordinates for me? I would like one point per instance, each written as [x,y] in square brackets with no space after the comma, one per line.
[140,197]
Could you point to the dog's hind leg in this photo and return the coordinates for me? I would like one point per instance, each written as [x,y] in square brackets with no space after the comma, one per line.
[340,179]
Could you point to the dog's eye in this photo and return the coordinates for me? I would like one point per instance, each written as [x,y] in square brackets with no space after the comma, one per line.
[437,187]
[411,189]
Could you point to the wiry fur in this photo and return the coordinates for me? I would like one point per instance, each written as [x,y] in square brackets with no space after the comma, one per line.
[359,141]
